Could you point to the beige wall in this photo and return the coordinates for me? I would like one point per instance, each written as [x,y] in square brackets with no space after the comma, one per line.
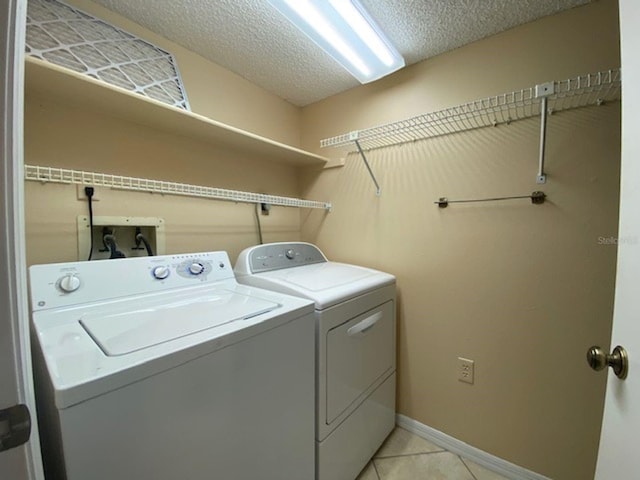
[75,137]
[521,289]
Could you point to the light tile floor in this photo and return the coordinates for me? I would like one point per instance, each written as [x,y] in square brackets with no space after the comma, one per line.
[405,456]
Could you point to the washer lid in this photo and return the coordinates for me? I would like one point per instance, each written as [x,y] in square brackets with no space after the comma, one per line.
[144,324]
[325,283]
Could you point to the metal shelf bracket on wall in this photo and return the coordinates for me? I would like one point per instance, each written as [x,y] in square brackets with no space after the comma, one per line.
[543,91]
[366,163]
[543,99]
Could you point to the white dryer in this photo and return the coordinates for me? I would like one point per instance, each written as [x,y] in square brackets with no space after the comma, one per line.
[165,368]
[355,347]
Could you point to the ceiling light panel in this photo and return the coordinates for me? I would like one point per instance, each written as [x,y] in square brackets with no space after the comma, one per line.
[344,30]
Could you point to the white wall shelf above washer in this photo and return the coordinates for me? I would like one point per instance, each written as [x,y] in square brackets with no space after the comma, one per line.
[74,88]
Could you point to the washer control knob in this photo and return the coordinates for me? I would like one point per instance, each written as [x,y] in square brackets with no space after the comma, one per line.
[69,283]
[290,254]
[196,268]
[161,272]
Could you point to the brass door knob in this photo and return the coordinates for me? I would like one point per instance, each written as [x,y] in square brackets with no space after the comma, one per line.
[598,359]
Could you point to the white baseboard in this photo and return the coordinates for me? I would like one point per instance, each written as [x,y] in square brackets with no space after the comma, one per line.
[474,454]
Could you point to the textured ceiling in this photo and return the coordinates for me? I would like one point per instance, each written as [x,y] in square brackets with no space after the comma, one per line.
[253,40]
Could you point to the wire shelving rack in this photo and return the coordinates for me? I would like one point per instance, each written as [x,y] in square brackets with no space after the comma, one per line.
[582,91]
[539,100]
[78,177]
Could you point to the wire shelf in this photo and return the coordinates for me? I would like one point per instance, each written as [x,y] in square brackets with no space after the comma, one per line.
[582,91]
[77,177]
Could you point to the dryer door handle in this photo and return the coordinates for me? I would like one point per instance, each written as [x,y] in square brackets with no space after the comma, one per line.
[365,325]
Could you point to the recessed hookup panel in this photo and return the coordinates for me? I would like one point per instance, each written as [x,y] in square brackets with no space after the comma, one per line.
[128,236]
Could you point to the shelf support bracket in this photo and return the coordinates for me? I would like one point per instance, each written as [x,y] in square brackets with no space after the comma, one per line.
[542,177]
[543,91]
[366,163]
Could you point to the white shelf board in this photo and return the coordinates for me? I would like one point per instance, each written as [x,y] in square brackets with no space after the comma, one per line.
[74,88]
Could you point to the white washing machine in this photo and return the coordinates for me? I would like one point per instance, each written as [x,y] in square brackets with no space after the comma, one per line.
[355,347]
[166,368]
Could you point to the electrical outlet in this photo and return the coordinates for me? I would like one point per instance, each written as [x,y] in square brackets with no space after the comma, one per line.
[83,196]
[465,370]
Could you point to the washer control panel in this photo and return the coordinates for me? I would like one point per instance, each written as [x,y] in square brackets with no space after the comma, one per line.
[274,256]
[66,284]
[193,268]
[161,272]
[69,283]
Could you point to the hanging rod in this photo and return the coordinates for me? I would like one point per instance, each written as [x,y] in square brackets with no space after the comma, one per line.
[77,177]
[537,198]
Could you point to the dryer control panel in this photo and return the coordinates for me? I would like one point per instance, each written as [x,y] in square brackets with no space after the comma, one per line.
[275,256]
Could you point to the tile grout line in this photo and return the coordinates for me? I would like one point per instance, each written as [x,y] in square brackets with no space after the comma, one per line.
[375,469]
[410,454]
[467,466]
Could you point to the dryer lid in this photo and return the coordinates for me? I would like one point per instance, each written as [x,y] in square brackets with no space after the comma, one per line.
[325,283]
[323,276]
[144,324]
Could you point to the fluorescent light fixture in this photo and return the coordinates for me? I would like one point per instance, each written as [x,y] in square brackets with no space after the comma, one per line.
[344,30]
